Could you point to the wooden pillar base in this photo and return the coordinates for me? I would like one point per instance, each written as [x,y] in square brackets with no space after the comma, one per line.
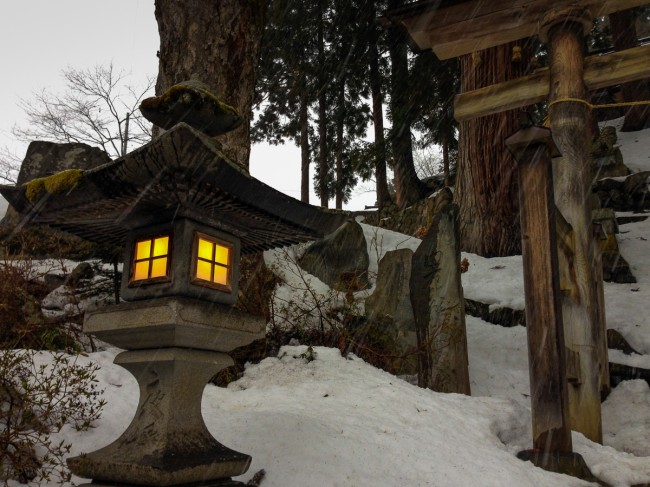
[568,463]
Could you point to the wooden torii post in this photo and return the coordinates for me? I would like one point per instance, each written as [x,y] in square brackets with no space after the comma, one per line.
[453,28]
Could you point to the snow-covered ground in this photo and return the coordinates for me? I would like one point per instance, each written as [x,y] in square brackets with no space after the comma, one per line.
[338,421]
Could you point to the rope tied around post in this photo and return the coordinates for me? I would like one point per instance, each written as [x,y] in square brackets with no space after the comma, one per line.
[591,106]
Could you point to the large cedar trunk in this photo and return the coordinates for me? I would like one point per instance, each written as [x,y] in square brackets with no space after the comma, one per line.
[625,37]
[383,196]
[220,43]
[408,187]
[486,181]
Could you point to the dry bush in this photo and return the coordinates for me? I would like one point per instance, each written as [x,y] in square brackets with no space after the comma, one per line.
[38,400]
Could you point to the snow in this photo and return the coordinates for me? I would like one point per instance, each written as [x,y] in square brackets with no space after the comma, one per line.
[338,421]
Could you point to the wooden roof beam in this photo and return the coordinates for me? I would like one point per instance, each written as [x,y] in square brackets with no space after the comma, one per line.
[452,29]
[600,72]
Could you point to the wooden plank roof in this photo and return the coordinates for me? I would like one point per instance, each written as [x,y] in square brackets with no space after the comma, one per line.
[180,173]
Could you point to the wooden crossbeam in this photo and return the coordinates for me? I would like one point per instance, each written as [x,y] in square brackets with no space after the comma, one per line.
[452,29]
[600,72]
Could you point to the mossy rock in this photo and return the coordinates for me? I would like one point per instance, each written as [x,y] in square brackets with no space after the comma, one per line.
[58,183]
[193,103]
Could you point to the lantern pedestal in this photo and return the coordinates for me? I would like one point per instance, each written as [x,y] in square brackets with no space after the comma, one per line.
[167,443]
[174,322]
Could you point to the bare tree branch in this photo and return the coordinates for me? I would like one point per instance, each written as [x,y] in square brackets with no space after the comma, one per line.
[94,108]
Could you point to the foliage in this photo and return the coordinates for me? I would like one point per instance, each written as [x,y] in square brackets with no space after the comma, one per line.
[98,107]
[38,400]
[328,318]
[22,289]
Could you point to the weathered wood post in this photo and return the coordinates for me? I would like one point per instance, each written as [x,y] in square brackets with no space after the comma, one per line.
[532,148]
[564,30]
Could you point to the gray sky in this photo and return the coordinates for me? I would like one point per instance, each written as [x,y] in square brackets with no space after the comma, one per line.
[39,38]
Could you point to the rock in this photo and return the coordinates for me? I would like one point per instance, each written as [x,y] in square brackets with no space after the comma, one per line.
[390,303]
[419,216]
[338,256]
[605,141]
[620,372]
[439,308]
[609,164]
[46,158]
[193,103]
[83,271]
[616,341]
[629,194]
[52,281]
[615,267]
[506,317]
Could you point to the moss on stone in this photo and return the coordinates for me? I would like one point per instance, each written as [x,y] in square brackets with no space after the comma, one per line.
[58,183]
[191,102]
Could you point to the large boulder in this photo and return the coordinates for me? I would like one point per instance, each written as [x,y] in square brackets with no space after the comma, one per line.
[439,308]
[46,158]
[390,303]
[341,259]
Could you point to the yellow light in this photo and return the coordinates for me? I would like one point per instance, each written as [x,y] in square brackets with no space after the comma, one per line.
[220,275]
[205,249]
[203,270]
[143,250]
[159,267]
[221,255]
[151,258]
[160,246]
[141,271]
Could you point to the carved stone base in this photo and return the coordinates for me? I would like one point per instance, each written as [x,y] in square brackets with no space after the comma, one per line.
[167,443]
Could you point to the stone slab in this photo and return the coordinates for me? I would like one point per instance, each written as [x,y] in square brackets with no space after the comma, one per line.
[174,322]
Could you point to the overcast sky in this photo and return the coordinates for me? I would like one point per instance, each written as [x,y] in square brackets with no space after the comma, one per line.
[39,38]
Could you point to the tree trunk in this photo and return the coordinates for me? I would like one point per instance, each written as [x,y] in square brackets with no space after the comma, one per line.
[408,187]
[220,43]
[304,143]
[486,179]
[625,37]
[322,108]
[339,145]
[383,196]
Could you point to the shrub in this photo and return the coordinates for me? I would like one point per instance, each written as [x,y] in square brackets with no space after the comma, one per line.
[37,400]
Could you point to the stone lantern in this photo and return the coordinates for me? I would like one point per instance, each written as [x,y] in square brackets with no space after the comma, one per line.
[183,213]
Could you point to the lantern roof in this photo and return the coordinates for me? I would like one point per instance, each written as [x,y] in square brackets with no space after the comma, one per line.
[180,174]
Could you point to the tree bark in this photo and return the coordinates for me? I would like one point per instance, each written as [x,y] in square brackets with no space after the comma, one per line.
[304,143]
[220,43]
[408,187]
[383,196]
[625,37]
[322,108]
[486,179]
[339,145]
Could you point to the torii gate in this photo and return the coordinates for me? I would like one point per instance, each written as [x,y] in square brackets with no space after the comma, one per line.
[456,27]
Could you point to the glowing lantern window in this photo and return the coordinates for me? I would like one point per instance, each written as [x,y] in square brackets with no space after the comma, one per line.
[151,259]
[212,261]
